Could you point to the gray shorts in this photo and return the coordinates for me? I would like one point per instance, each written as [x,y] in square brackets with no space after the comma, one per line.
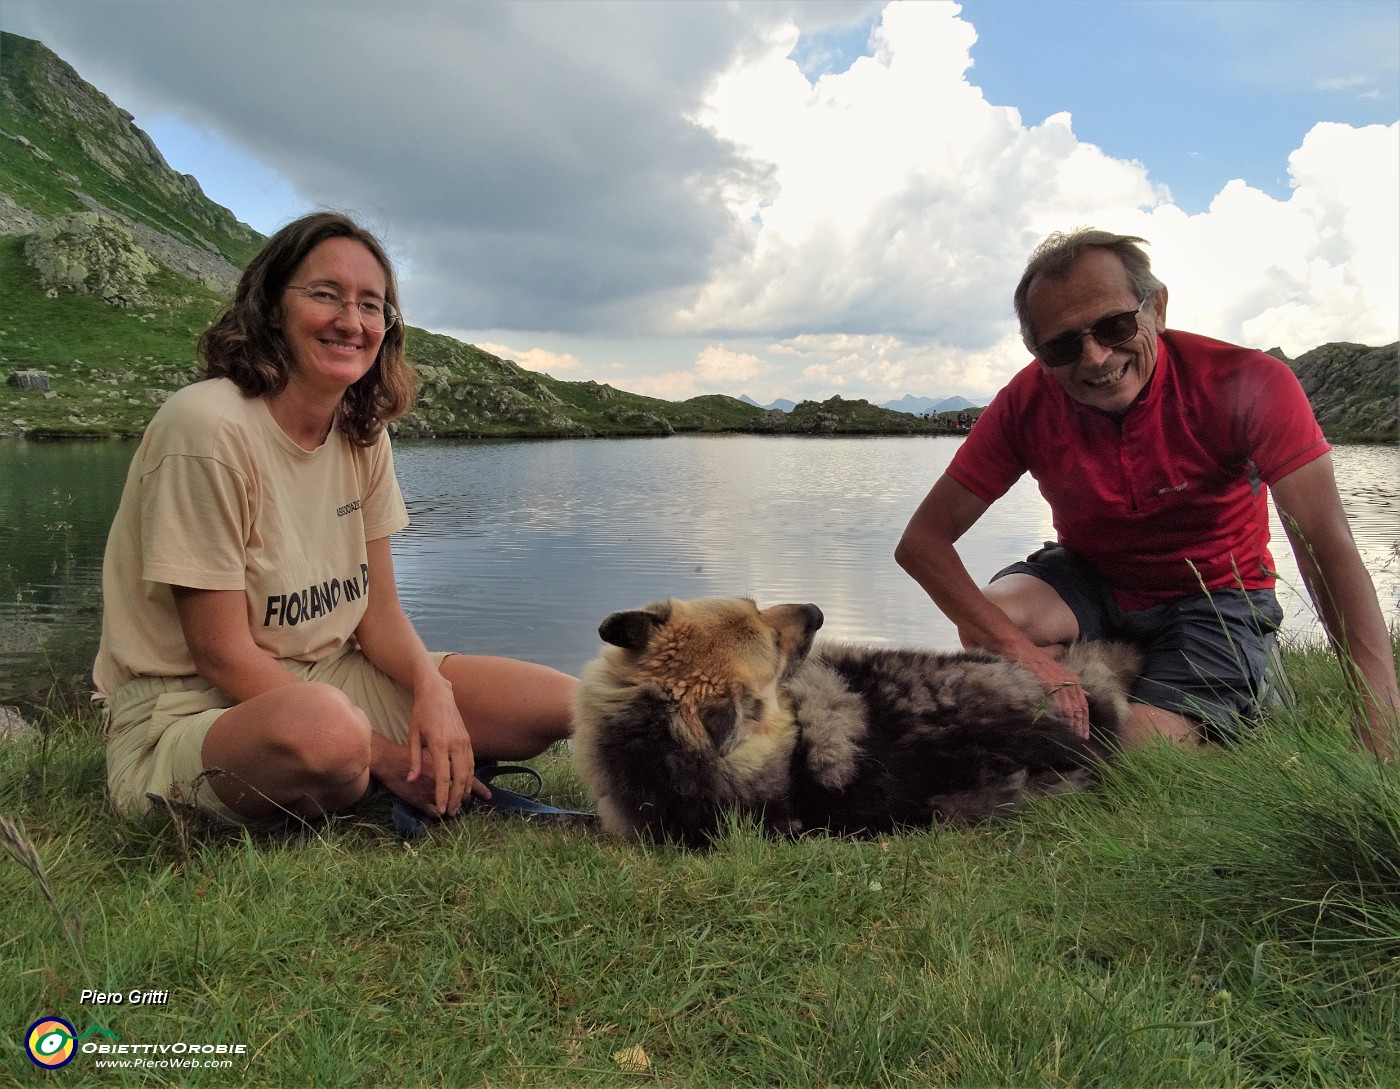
[1206,655]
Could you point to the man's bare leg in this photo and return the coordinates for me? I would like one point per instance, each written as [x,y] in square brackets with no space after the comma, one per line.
[1035,608]
[1146,724]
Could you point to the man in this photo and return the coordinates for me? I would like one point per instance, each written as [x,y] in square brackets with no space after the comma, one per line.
[1154,449]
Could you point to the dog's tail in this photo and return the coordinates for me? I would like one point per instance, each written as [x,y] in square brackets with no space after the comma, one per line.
[1105,665]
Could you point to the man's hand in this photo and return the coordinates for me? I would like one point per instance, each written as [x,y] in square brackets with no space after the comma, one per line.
[1066,693]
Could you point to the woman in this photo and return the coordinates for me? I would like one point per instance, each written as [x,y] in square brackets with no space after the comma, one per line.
[255,658]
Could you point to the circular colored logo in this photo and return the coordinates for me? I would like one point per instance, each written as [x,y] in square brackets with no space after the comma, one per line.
[50,1041]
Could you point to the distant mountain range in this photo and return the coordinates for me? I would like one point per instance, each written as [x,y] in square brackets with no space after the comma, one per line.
[915,406]
[782,404]
[922,406]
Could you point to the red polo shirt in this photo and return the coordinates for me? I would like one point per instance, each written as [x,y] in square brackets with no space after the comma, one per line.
[1171,499]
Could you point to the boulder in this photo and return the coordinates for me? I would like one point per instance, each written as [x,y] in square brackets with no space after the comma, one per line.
[13,727]
[29,379]
[89,254]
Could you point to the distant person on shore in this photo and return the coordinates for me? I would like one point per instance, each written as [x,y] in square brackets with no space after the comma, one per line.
[1156,451]
[255,659]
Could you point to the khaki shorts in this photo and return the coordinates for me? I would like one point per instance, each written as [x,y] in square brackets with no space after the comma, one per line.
[157,725]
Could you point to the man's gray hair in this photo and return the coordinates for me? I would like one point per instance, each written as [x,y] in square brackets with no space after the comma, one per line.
[1058,254]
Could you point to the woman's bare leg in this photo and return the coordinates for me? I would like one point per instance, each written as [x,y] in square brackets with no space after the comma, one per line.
[302,750]
[512,709]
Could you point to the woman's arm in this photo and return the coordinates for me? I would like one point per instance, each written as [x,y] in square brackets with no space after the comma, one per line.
[215,625]
[435,726]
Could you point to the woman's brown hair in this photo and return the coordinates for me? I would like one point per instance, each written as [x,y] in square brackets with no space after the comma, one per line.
[246,345]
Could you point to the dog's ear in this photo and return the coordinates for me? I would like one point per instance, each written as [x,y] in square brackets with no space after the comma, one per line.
[632,629]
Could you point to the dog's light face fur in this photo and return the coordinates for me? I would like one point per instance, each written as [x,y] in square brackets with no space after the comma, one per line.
[716,668]
[719,659]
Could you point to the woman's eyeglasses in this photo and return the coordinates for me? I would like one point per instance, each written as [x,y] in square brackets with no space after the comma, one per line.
[1110,332]
[374,314]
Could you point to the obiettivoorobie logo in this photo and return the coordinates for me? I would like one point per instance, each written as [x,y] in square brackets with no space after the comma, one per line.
[52,1042]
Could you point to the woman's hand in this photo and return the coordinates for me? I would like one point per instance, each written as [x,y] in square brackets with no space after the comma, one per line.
[390,765]
[435,770]
[440,748]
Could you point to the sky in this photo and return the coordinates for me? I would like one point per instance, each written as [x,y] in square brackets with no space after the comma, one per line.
[788,199]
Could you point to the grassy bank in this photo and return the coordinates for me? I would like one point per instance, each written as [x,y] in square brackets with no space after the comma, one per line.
[1225,920]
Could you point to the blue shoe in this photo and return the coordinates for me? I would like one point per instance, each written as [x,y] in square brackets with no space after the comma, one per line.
[411,823]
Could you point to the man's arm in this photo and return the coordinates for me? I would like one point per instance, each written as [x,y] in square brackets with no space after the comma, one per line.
[926,552]
[1336,577]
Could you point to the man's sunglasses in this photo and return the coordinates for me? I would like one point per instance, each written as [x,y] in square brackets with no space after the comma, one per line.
[1110,332]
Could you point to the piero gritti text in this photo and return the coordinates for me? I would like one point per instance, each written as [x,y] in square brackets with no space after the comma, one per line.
[135,997]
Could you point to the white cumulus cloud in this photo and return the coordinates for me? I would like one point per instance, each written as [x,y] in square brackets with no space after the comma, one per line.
[1319,266]
[534,359]
[719,366]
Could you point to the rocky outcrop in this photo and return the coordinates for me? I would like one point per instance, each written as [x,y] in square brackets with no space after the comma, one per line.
[87,254]
[838,415]
[1354,389]
[13,726]
[29,379]
[15,219]
[202,262]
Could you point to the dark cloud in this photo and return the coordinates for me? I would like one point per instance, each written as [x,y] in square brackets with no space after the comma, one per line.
[535,159]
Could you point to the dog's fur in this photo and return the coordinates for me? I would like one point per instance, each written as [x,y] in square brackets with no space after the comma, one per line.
[701,708]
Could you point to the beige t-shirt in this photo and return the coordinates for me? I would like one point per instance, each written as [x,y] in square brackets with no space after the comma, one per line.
[219,498]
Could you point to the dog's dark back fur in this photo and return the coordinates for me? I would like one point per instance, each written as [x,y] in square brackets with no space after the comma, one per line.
[949,737]
[702,709]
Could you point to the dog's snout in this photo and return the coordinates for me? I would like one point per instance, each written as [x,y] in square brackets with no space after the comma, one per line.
[815,619]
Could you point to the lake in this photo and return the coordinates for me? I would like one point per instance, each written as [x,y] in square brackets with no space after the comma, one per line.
[522,548]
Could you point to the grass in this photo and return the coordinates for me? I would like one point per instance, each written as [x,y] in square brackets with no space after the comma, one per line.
[1222,920]
[109,366]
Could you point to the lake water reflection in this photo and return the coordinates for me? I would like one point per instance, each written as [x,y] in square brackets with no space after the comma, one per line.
[521,548]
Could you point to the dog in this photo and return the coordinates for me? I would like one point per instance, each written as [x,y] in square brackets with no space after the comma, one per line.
[701,709]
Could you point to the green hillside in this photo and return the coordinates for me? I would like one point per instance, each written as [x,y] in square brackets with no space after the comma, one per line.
[65,147]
